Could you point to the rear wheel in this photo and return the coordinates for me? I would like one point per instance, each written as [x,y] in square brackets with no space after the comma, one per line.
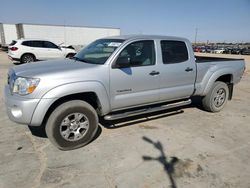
[27,58]
[216,98]
[71,125]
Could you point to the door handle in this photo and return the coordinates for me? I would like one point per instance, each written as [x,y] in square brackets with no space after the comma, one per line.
[188,69]
[154,73]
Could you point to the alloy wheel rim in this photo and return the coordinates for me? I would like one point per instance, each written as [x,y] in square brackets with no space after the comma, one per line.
[74,126]
[28,59]
[220,97]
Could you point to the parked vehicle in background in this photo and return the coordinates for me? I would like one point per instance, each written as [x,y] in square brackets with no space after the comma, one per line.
[219,51]
[227,51]
[245,51]
[114,78]
[236,51]
[30,50]
[203,49]
[212,49]
[208,50]
[197,49]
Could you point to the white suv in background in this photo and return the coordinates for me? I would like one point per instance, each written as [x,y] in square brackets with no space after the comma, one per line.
[29,50]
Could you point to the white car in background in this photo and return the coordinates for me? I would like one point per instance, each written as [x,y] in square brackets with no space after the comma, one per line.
[219,51]
[30,50]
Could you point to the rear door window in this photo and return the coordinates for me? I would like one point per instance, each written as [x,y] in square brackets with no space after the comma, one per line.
[173,51]
[33,43]
[27,43]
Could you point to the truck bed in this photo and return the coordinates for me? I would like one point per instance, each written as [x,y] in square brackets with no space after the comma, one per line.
[208,67]
[203,59]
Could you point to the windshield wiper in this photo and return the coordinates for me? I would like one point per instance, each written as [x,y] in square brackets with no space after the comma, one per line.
[79,59]
[85,60]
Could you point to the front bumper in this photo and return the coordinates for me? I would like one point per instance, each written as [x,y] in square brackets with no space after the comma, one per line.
[19,109]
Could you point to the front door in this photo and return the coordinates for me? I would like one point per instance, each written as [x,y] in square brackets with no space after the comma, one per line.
[52,50]
[138,83]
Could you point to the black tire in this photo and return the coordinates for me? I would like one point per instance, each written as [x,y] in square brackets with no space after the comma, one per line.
[27,58]
[214,101]
[55,123]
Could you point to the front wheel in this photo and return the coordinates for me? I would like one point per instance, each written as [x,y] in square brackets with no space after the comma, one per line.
[71,125]
[216,98]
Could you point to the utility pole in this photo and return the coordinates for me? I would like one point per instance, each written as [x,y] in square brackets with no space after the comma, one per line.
[64,31]
[195,38]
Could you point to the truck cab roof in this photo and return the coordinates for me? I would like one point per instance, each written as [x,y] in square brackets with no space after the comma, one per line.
[148,37]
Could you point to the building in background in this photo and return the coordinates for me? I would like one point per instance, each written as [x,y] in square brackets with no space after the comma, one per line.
[8,33]
[59,34]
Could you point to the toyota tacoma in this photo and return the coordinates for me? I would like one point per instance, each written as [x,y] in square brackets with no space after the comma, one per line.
[115,78]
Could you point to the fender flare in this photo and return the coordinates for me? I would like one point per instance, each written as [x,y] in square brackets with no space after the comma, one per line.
[215,76]
[69,89]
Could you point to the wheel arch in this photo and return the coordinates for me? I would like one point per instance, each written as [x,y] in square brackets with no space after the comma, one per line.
[89,97]
[223,77]
[227,78]
[28,53]
[97,98]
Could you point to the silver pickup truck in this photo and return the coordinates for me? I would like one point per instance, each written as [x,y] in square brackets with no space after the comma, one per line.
[114,78]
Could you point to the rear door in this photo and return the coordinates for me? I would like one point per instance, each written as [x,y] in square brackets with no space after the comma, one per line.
[138,83]
[177,71]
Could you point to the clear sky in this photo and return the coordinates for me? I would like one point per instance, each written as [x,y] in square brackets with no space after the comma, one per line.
[216,20]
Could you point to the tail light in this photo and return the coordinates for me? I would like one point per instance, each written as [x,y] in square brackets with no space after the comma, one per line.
[13,48]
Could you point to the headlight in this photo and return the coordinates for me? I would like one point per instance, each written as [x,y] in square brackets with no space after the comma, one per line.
[24,86]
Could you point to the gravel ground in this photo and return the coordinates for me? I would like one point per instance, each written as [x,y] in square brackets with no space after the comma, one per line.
[183,148]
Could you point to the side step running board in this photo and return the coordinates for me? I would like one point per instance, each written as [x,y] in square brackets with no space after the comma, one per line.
[146,110]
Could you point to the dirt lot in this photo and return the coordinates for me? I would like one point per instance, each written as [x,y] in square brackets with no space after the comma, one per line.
[183,148]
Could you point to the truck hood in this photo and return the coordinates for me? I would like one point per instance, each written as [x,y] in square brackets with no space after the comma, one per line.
[60,68]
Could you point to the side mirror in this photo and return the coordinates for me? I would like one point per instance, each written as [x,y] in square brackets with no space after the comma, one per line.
[122,62]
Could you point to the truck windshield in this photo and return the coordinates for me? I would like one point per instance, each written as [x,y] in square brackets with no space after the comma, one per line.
[98,51]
